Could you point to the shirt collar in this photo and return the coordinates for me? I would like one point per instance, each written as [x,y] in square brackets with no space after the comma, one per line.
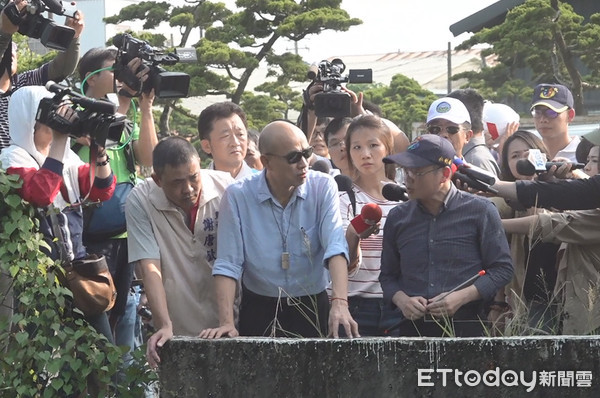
[448,202]
[207,193]
[264,193]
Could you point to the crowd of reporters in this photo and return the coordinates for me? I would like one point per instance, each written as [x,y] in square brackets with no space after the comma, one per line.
[247,246]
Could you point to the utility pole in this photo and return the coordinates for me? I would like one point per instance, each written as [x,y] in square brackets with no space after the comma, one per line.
[449,67]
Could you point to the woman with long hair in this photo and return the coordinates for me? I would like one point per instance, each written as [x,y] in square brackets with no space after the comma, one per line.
[368,140]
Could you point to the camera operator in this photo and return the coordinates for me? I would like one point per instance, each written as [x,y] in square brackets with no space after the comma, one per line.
[53,175]
[308,119]
[134,148]
[57,69]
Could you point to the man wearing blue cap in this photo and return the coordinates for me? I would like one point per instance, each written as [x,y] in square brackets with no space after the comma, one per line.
[437,240]
[552,108]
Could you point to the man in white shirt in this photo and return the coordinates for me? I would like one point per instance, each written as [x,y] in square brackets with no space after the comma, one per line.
[223,133]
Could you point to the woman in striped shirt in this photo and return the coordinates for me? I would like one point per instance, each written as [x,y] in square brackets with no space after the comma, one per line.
[368,141]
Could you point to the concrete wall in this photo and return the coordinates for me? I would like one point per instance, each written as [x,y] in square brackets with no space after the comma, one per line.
[386,367]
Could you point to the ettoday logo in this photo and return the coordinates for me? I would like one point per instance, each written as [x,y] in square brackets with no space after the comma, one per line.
[507,378]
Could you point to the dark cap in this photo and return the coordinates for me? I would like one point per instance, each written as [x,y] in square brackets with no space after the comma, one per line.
[425,150]
[555,96]
[593,136]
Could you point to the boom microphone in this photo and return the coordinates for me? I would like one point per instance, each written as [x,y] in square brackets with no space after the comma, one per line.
[370,214]
[474,172]
[394,192]
[95,105]
[345,185]
[536,163]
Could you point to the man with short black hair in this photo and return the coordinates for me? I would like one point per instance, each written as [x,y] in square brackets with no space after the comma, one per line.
[476,151]
[222,128]
[435,241]
[172,233]
[134,147]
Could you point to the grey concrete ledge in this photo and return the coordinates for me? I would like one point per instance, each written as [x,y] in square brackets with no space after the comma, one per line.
[545,367]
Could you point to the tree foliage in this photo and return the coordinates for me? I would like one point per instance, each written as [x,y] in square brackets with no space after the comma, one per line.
[233,43]
[404,101]
[47,350]
[27,59]
[545,37]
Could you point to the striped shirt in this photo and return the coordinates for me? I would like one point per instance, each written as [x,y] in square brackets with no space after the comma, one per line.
[36,77]
[365,281]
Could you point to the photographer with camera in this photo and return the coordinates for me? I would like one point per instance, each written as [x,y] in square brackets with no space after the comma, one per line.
[133,147]
[54,178]
[57,69]
[326,97]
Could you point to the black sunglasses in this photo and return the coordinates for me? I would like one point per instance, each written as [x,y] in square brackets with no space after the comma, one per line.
[438,129]
[295,156]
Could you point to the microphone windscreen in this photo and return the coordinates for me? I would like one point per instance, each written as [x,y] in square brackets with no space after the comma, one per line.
[313,70]
[394,192]
[53,86]
[371,212]
[322,165]
[344,183]
[525,167]
[118,40]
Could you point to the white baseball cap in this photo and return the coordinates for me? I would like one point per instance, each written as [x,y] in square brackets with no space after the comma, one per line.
[449,109]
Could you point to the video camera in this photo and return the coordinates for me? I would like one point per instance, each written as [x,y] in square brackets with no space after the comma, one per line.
[31,23]
[165,84]
[334,102]
[95,118]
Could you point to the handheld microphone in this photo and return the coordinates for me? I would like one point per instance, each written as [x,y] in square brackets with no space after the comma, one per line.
[370,212]
[394,192]
[92,104]
[322,165]
[345,185]
[536,163]
[475,184]
[474,172]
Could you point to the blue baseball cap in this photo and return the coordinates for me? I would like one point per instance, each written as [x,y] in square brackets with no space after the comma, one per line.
[425,150]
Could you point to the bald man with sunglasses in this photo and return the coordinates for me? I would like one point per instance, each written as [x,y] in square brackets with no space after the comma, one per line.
[279,232]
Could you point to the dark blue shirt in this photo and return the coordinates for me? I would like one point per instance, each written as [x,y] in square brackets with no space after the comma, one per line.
[425,255]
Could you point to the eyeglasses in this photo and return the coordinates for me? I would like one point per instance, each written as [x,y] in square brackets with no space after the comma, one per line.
[547,113]
[414,174]
[295,156]
[337,144]
[433,129]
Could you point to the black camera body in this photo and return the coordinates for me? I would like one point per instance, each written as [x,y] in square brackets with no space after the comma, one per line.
[32,24]
[333,101]
[165,84]
[95,118]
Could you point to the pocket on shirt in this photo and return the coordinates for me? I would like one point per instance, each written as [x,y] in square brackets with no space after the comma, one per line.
[310,242]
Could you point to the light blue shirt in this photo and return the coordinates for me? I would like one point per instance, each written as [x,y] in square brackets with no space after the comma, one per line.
[253,227]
